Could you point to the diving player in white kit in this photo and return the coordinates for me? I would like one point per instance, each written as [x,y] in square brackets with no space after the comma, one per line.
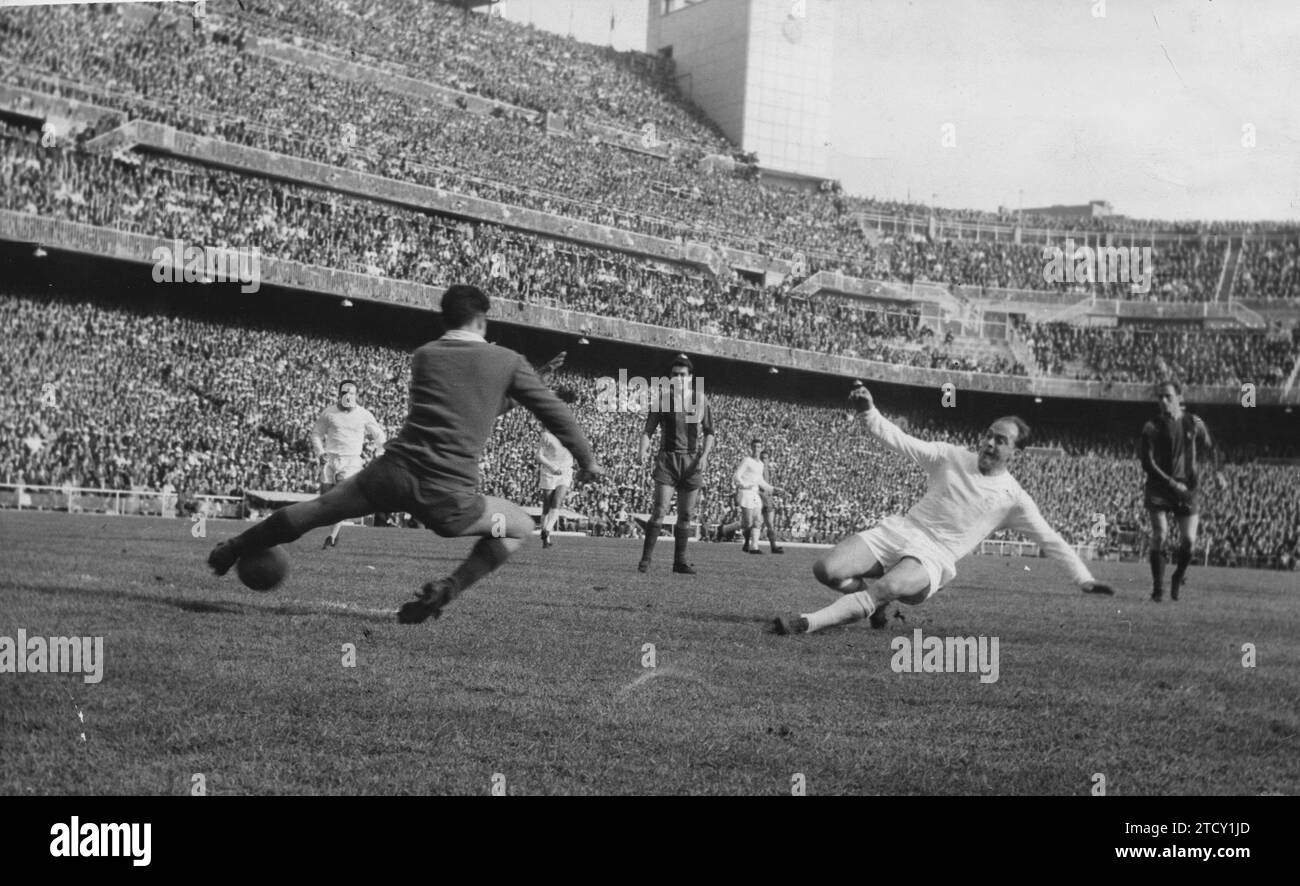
[968,496]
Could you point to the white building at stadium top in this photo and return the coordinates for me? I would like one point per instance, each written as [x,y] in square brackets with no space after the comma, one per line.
[761,69]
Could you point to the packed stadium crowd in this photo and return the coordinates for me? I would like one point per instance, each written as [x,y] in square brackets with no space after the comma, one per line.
[1268,269]
[499,60]
[107,396]
[187,82]
[1006,218]
[1128,354]
[169,198]
[171,72]
[1180,271]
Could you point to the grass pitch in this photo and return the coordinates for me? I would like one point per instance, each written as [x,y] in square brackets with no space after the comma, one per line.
[535,681]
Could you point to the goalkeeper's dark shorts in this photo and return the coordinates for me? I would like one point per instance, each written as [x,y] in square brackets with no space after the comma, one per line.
[1162,498]
[390,486]
[674,469]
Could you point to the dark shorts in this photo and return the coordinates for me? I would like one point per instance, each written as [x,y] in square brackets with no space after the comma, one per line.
[673,469]
[1160,499]
[391,486]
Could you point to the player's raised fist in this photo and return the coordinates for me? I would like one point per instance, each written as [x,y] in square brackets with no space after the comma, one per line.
[860,398]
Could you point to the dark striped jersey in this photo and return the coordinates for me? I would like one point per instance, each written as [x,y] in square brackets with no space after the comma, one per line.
[1170,449]
[680,432]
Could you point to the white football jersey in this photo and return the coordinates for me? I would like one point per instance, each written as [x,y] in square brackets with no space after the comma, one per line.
[750,475]
[552,454]
[962,507]
[343,432]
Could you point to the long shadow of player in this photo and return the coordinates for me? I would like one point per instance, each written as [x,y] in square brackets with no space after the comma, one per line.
[207,607]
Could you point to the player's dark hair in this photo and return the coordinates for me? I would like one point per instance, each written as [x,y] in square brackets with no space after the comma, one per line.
[462,303]
[682,360]
[347,381]
[1170,383]
[1022,430]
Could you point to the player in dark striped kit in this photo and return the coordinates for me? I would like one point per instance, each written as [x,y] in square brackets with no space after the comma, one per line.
[684,450]
[1171,448]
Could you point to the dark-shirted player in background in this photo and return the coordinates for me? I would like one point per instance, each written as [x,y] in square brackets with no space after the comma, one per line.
[459,385]
[1170,448]
[769,507]
[684,450]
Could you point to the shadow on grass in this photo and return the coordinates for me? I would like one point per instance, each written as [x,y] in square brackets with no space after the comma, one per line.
[209,607]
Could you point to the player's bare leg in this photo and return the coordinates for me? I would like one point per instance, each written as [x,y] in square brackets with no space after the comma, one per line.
[1187,527]
[662,500]
[749,526]
[846,570]
[551,505]
[343,501]
[1156,556]
[502,529]
[907,581]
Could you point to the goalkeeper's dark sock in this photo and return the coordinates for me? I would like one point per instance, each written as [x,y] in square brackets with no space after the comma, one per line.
[680,536]
[651,536]
[1182,559]
[277,529]
[487,555]
[1157,558]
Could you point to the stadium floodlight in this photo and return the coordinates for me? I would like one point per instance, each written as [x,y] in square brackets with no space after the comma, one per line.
[772,370]
[583,341]
[1038,399]
[40,253]
[347,303]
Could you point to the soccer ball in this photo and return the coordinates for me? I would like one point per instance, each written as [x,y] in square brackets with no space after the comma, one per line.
[264,570]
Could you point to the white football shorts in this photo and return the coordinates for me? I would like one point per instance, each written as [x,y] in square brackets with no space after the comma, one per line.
[338,468]
[547,480]
[748,499]
[897,537]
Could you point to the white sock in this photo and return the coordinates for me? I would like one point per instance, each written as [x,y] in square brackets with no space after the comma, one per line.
[849,608]
[334,533]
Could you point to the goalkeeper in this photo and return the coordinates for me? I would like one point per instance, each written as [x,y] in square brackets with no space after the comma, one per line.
[968,496]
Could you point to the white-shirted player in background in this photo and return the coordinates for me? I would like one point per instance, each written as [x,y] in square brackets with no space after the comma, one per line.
[338,438]
[554,474]
[749,485]
[968,496]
